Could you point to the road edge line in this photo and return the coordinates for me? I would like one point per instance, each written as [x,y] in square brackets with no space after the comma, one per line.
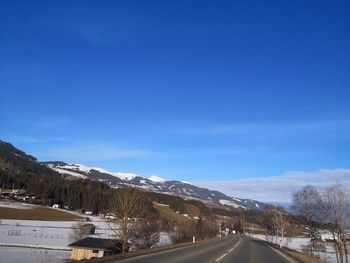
[289,259]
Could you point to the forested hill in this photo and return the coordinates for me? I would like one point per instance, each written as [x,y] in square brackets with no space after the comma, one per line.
[16,162]
[21,171]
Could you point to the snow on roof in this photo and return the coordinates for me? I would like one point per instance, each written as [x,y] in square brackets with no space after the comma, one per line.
[96,243]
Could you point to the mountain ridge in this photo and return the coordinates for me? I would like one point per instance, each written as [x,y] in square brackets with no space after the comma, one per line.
[11,156]
[155,183]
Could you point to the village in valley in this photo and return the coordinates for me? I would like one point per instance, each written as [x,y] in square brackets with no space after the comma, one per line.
[57,233]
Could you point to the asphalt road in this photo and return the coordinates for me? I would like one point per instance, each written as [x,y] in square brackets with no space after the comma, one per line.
[233,249]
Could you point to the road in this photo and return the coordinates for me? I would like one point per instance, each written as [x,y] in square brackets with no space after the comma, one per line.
[232,249]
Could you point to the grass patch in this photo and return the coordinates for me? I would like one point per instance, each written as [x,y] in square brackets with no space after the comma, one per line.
[301,257]
[169,214]
[37,213]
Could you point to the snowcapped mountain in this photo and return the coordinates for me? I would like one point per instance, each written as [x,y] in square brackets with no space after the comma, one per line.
[155,183]
[156,179]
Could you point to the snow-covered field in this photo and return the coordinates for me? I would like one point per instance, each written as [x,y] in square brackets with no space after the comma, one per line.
[46,234]
[32,255]
[31,241]
[299,243]
[40,241]
[17,205]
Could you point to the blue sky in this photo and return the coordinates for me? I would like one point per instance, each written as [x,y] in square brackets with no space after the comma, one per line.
[212,92]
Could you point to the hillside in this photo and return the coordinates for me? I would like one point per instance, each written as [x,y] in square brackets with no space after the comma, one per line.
[155,184]
[82,187]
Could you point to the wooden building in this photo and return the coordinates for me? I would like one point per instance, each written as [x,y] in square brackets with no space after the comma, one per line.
[91,247]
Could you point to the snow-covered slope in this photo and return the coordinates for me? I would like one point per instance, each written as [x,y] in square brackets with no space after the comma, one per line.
[80,170]
[156,179]
[231,203]
[155,183]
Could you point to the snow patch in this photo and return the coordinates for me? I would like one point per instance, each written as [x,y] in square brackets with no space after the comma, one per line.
[156,179]
[64,171]
[236,199]
[15,205]
[124,176]
[70,168]
[81,167]
[100,170]
[230,203]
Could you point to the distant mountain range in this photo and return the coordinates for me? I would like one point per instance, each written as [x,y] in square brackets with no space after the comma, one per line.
[16,160]
[155,183]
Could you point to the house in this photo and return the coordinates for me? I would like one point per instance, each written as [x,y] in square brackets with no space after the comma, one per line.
[91,247]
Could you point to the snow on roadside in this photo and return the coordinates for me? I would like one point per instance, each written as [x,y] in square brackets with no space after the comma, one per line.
[164,240]
[298,244]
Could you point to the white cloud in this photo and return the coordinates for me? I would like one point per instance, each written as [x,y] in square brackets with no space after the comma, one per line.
[278,188]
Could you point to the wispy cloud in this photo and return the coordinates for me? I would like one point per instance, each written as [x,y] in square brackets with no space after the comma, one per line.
[31,139]
[278,188]
[171,153]
[321,129]
[42,123]
[94,34]
[96,152]
[20,47]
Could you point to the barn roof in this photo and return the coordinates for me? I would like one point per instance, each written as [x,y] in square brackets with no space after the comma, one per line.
[97,243]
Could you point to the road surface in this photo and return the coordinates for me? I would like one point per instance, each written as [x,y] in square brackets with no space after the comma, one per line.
[233,249]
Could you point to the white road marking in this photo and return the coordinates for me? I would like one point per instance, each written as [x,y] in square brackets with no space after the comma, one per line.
[235,245]
[218,259]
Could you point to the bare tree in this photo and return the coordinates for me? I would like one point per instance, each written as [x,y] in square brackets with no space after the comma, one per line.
[279,219]
[127,206]
[182,232]
[240,223]
[80,231]
[336,204]
[146,233]
[210,228]
[75,233]
[307,203]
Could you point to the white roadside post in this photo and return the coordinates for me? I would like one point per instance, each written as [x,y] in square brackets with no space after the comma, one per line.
[194,239]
